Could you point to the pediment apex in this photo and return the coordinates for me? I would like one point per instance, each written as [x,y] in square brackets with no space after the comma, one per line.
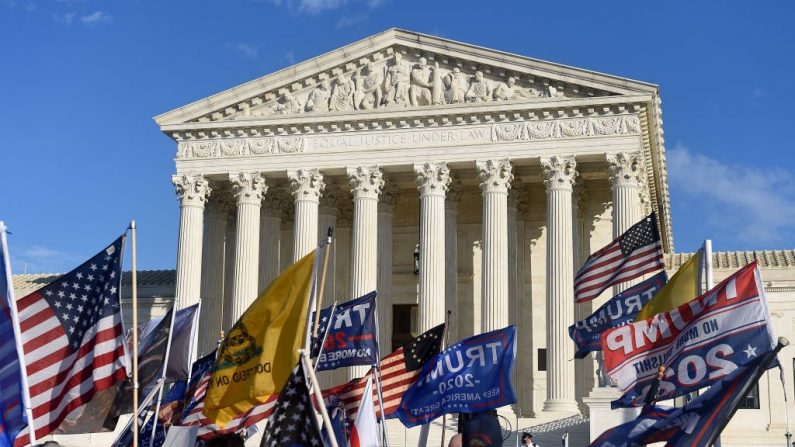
[398,68]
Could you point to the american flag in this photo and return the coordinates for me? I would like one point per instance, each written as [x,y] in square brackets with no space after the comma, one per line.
[208,430]
[73,340]
[634,253]
[293,422]
[399,370]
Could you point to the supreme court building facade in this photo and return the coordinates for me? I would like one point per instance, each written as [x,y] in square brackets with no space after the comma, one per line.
[499,173]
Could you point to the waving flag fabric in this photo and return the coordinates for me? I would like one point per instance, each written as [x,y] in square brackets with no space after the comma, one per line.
[12,412]
[73,339]
[617,311]
[473,375]
[398,371]
[350,339]
[631,255]
[682,288]
[294,422]
[699,343]
[260,350]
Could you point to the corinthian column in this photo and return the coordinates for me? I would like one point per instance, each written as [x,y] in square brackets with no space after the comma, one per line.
[389,197]
[248,189]
[451,257]
[366,183]
[212,282]
[327,217]
[625,171]
[270,237]
[432,182]
[307,186]
[559,175]
[495,180]
[192,191]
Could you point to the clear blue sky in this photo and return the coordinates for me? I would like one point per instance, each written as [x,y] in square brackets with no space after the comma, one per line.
[80,81]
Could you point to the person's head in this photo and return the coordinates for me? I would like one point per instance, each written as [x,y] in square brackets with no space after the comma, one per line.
[423,61]
[479,75]
[456,441]
[527,438]
[511,81]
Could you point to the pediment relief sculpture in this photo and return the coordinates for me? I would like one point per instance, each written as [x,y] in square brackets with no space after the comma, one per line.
[396,82]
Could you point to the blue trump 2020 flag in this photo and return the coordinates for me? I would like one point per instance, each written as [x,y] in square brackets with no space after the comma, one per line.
[617,311]
[471,376]
[12,413]
[350,338]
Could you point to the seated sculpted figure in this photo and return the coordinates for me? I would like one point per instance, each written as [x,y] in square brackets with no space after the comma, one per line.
[509,90]
[421,84]
[342,95]
[317,101]
[454,87]
[289,106]
[478,89]
[368,88]
[397,83]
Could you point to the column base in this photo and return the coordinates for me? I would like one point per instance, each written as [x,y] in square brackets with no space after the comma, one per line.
[566,408]
[602,416]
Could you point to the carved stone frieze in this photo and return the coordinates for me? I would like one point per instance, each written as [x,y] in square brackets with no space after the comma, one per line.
[566,128]
[231,147]
[396,77]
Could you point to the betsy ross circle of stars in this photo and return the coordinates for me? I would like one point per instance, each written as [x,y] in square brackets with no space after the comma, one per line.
[293,422]
[82,297]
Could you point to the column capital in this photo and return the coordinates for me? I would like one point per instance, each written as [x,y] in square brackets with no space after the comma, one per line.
[248,187]
[220,203]
[273,202]
[192,190]
[625,169]
[494,175]
[516,195]
[432,178]
[366,181]
[306,184]
[390,194]
[330,202]
[559,172]
[454,192]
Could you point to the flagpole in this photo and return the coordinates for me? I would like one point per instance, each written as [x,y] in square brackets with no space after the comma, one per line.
[310,370]
[377,370]
[164,373]
[134,285]
[312,299]
[444,343]
[12,307]
[325,332]
[708,264]
[193,336]
[319,295]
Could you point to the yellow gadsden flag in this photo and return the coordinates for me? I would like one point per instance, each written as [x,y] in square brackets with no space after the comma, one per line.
[260,351]
[681,289]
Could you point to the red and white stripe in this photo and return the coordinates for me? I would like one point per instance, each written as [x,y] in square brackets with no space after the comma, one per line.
[395,380]
[208,430]
[61,380]
[609,266]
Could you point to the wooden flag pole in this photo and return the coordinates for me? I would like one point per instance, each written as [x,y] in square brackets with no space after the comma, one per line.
[321,289]
[134,335]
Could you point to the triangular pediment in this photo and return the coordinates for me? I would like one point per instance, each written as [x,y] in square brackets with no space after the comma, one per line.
[400,69]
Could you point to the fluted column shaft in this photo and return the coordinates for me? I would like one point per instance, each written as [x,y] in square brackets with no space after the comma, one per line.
[624,170]
[559,173]
[451,258]
[248,189]
[192,192]
[389,197]
[366,183]
[327,218]
[270,239]
[307,186]
[229,270]
[495,180]
[432,181]
[212,281]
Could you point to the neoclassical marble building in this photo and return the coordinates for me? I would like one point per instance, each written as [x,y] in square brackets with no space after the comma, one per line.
[499,173]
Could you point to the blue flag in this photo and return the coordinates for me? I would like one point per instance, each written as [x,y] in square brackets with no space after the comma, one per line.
[350,339]
[617,311]
[12,413]
[471,376]
[634,432]
[335,408]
